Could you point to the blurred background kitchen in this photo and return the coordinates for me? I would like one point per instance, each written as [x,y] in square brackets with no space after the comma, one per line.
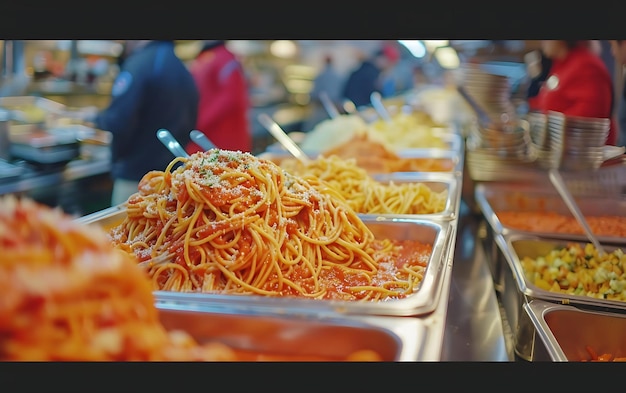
[78,75]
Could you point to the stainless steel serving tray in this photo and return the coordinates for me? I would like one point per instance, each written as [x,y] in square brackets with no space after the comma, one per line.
[9,171]
[455,158]
[451,138]
[566,330]
[423,301]
[496,197]
[437,182]
[17,105]
[516,246]
[334,337]
[105,218]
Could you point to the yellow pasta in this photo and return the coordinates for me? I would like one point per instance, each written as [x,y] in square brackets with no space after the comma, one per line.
[366,195]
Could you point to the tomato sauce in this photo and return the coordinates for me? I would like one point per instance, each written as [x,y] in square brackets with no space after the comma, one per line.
[548,221]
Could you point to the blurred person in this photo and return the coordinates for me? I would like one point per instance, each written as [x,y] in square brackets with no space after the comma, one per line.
[329,81]
[153,90]
[538,67]
[578,83]
[224,98]
[397,76]
[366,78]
[618,49]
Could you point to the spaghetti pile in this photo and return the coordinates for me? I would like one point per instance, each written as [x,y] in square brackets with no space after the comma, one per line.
[366,195]
[236,224]
[69,296]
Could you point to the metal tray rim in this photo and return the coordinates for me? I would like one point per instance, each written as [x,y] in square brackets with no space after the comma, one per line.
[480,195]
[410,333]
[424,301]
[537,310]
[505,243]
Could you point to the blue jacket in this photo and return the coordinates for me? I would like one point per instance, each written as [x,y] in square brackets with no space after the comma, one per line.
[361,83]
[153,90]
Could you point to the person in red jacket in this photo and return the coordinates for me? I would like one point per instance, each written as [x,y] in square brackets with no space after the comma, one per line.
[578,84]
[224,100]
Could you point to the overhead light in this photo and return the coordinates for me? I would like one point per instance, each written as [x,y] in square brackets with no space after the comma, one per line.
[432,45]
[447,57]
[284,48]
[300,71]
[416,47]
[298,86]
[100,47]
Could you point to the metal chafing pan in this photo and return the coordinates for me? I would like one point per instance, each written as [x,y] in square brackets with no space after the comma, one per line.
[566,331]
[423,301]
[516,246]
[437,182]
[453,157]
[106,218]
[318,337]
[20,106]
[516,290]
[494,198]
[449,135]
[38,145]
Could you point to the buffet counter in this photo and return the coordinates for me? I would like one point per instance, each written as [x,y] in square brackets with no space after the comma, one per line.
[475,329]
[34,178]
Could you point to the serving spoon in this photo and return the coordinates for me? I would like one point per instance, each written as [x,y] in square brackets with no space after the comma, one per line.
[292,147]
[202,140]
[483,116]
[561,187]
[171,143]
[349,107]
[377,102]
[329,106]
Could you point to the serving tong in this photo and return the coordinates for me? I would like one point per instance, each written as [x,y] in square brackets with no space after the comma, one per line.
[557,181]
[174,146]
[277,132]
[377,102]
[329,106]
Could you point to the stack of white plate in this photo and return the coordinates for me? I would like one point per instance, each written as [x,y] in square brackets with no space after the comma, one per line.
[538,129]
[574,143]
[504,140]
[499,152]
[491,91]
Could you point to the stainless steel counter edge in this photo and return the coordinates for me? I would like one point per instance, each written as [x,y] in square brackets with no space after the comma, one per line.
[74,170]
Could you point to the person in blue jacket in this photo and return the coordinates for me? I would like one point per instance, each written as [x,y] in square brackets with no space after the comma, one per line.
[153,90]
[363,80]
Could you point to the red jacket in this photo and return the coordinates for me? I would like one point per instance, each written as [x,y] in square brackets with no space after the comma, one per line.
[223,106]
[578,85]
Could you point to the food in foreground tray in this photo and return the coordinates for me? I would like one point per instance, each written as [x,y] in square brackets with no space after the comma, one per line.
[602,357]
[549,221]
[68,295]
[365,194]
[579,269]
[236,224]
